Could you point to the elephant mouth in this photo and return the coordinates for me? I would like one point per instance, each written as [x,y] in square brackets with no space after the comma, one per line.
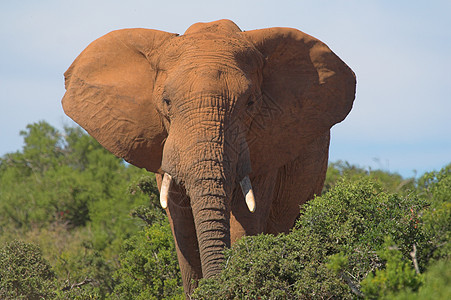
[245,184]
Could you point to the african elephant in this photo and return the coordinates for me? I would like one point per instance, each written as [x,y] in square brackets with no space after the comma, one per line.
[236,125]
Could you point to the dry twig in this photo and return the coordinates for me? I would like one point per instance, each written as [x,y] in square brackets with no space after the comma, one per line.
[76,285]
[413,254]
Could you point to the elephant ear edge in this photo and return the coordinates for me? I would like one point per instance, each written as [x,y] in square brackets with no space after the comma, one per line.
[109,90]
[306,89]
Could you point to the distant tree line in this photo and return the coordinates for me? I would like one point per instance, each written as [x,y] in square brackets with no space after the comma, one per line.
[78,223]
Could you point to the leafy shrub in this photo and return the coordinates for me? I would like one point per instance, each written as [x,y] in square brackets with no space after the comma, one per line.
[436,284]
[24,273]
[390,182]
[332,249]
[149,267]
[271,267]
[397,276]
[68,195]
[436,188]
[148,263]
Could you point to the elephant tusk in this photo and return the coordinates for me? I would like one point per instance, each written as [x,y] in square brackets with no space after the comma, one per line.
[246,188]
[165,186]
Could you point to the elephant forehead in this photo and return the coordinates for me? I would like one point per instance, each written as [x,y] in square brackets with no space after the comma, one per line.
[218,57]
[210,63]
[216,46]
[203,78]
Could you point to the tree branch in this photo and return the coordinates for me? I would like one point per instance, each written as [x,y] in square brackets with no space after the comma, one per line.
[413,254]
[76,285]
[352,285]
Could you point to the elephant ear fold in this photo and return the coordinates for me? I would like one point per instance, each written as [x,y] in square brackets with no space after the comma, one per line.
[306,89]
[109,91]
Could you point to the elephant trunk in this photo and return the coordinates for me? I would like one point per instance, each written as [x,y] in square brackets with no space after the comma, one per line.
[209,165]
[209,185]
[211,211]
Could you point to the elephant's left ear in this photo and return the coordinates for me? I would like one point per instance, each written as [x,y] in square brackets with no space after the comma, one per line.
[306,90]
[110,90]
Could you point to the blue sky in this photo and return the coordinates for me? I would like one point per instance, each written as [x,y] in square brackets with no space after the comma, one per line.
[399,50]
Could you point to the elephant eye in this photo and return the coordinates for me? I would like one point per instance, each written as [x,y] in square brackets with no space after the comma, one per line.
[167,101]
[251,100]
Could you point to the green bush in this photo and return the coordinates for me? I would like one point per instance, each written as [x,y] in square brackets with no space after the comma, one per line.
[67,178]
[148,263]
[149,267]
[390,182]
[69,196]
[66,193]
[333,248]
[436,284]
[271,267]
[436,188]
[397,276]
[24,273]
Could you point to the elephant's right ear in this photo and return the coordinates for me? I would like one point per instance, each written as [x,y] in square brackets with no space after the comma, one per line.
[306,89]
[109,91]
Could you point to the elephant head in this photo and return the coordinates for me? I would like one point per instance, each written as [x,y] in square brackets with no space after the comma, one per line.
[206,111]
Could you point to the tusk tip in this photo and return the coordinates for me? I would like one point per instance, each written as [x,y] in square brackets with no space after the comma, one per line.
[250,201]
[246,188]
[164,190]
[164,204]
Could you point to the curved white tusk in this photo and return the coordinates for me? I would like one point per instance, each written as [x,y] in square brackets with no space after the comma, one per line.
[165,186]
[246,188]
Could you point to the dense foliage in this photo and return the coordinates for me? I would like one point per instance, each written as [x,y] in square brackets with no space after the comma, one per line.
[24,273]
[357,240]
[149,267]
[67,194]
[77,223]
